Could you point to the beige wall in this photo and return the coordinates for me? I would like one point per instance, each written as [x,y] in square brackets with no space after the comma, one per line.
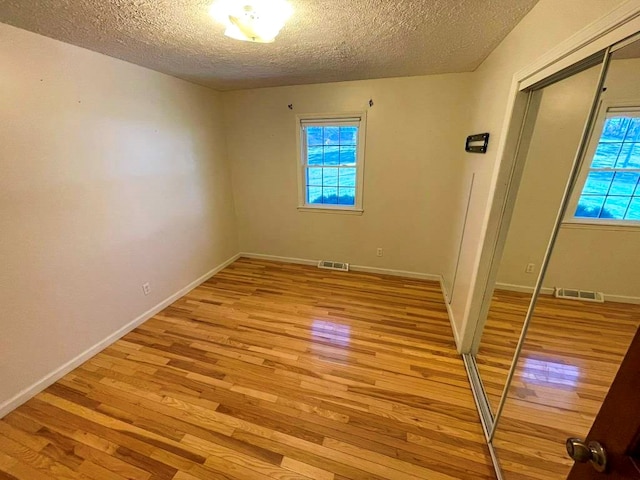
[111,175]
[414,149]
[602,259]
[549,23]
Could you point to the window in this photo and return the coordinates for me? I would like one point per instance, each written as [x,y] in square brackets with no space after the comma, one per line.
[609,184]
[331,162]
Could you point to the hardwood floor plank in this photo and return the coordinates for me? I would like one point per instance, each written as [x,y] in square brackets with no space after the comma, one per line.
[306,470]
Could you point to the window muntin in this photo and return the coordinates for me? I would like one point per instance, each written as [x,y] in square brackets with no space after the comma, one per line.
[331,161]
[611,189]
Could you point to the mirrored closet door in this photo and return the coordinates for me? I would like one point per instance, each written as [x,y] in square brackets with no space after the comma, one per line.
[556,119]
[565,303]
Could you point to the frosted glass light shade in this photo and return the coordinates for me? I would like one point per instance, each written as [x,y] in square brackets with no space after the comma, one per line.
[252,20]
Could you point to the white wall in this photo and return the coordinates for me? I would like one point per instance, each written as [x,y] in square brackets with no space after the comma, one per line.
[549,23]
[414,147]
[111,175]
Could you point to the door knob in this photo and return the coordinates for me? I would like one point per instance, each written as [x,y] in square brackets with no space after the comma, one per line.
[592,452]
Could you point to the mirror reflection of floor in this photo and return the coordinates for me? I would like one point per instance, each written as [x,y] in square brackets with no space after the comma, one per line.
[571,355]
[499,340]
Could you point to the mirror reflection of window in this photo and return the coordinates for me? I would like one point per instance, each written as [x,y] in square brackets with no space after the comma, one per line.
[611,189]
[608,188]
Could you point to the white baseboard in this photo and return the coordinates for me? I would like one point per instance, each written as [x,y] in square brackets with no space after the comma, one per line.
[384,271]
[608,297]
[355,268]
[62,370]
[621,299]
[512,287]
[275,258]
[397,273]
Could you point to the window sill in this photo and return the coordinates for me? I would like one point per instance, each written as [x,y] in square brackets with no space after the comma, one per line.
[338,210]
[587,225]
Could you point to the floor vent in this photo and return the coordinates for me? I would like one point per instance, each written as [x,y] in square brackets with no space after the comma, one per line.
[329,265]
[585,295]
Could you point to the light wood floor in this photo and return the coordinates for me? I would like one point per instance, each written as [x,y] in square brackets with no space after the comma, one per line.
[571,355]
[266,371]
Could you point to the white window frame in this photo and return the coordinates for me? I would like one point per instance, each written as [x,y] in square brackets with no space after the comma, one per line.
[606,108]
[327,119]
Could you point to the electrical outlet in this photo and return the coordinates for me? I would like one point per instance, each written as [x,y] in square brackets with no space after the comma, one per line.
[530,267]
[379,252]
[146,288]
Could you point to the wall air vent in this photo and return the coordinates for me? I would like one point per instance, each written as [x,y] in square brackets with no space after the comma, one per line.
[329,265]
[584,295]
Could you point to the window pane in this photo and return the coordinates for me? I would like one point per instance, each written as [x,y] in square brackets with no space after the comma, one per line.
[615,207]
[314,155]
[330,177]
[347,155]
[314,136]
[347,177]
[615,129]
[597,183]
[331,135]
[633,134]
[629,156]
[606,155]
[589,206]
[331,155]
[314,194]
[634,209]
[624,183]
[330,195]
[348,135]
[347,196]
[314,176]
[331,159]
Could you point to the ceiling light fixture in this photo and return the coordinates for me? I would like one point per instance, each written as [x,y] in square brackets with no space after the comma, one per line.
[252,20]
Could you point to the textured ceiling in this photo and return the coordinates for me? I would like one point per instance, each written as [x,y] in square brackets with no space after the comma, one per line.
[324,41]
